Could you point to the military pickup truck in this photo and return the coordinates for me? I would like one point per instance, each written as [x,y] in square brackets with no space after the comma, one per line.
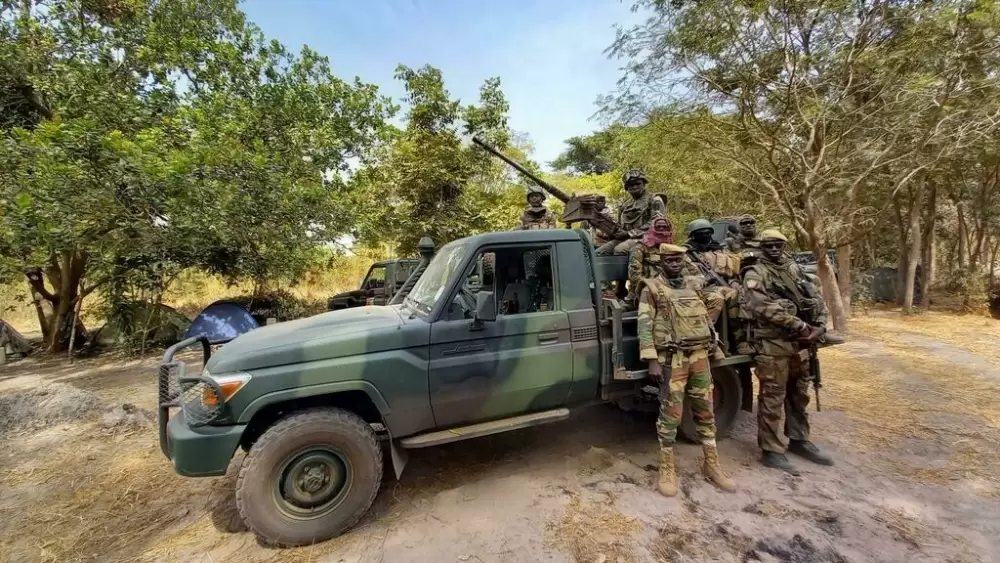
[464,354]
[378,286]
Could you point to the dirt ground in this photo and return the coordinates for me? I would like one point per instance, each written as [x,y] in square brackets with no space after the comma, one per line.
[911,410]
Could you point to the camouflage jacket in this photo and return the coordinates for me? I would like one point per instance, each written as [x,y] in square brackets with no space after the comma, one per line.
[643,263]
[771,297]
[725,264]
[636,215]
[739,243]
[532,219]
[672,314]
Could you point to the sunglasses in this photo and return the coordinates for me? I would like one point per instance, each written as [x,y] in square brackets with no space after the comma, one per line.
[772,245]
[747,223]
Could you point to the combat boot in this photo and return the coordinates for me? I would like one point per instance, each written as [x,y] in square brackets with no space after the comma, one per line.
[832,338]
[808,450]
[713,470]
[775,460]
[668,477]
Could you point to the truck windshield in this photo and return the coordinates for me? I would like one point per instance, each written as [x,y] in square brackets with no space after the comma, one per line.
[430,287]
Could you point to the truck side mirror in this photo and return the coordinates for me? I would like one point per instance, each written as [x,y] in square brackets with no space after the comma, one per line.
[486,308]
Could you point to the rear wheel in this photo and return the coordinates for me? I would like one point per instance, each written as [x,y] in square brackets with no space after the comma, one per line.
[309,477]
[727,397]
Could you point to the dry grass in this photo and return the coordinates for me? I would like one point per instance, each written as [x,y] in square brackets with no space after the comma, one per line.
[193,290]
[909,393]
[595,531]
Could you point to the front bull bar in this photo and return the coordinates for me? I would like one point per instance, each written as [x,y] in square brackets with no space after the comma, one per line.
[170,396]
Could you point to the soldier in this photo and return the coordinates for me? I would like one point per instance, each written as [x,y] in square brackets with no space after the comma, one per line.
[675,335]
[602,209]
[707,258]
[774,295]
[644,261]
[536,215]
[635,216]
[745,238]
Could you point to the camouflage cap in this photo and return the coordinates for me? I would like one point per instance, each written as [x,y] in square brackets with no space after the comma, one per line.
[773,234]
[667,249]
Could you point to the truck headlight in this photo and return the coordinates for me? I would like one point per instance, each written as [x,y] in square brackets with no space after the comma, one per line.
[229,384]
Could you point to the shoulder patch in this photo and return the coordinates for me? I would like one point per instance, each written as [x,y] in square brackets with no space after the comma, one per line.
[752,284]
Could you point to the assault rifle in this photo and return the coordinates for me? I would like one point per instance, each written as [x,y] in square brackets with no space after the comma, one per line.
[706,269]
[807,313]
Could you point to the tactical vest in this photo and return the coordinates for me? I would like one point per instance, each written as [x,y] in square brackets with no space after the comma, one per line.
[531,220]
[682,318]
[781,284]
[725,264]
[636,212]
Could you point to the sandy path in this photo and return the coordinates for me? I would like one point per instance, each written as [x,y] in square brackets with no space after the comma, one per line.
[914,482]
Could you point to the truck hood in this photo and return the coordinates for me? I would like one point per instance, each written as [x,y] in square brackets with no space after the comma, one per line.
[324,336]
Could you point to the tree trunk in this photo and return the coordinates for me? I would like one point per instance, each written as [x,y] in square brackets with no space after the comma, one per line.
[927,270]
[901,260]
[831,291]
[55,307]
[963,236]
[845,280]
[913,253]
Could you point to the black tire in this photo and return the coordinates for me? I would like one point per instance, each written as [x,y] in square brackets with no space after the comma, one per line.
[728,397]
[343,442]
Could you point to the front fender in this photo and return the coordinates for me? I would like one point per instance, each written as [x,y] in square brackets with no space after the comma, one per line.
[284,395]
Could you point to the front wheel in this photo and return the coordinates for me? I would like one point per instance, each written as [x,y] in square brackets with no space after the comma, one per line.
[309,477]
[727,398]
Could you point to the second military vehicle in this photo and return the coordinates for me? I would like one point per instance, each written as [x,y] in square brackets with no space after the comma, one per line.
[381,282]
[467,352]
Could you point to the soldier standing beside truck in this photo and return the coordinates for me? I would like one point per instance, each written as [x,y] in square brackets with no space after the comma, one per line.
[536,215]
[675,337]
[635,216]
[786,320]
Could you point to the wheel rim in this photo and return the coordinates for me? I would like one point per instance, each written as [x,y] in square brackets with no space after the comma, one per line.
[312,483]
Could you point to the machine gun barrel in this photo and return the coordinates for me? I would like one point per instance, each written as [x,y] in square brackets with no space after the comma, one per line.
[556,192]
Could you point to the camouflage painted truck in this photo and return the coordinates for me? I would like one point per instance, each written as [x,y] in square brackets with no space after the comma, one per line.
[317,402]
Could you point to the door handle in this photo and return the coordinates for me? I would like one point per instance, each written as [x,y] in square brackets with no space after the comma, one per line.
[465,349]
[548,337]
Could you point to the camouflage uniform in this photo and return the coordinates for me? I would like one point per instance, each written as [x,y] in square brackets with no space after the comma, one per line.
[782,362]
[634,217]
[537,216]
[674,330]
[534,218]
[643,263]
[727,267]
[738,243]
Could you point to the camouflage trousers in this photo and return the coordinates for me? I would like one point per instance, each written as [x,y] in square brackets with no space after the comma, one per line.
[616,247]
[784,396]
[689,375]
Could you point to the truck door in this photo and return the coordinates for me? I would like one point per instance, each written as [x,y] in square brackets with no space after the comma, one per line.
[520,363]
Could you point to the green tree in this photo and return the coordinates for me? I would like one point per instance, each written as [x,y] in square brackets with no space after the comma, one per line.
[426,181]
[830,108]
[143,136]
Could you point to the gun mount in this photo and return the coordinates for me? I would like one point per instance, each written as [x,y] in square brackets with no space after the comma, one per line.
[578,209]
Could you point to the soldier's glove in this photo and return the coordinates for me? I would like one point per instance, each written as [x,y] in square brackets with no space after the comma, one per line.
[810,333]
[655,371]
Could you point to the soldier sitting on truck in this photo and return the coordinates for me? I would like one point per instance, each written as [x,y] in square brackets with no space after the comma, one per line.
[635,216]
[644,261]
[746,237]
[675,337]
[536,215]
[602,208]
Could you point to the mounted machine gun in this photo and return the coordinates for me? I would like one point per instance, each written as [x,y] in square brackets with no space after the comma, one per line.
[578,209]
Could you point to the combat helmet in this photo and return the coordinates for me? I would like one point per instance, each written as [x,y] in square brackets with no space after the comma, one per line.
[634,174]
[534,190]
[699,225]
